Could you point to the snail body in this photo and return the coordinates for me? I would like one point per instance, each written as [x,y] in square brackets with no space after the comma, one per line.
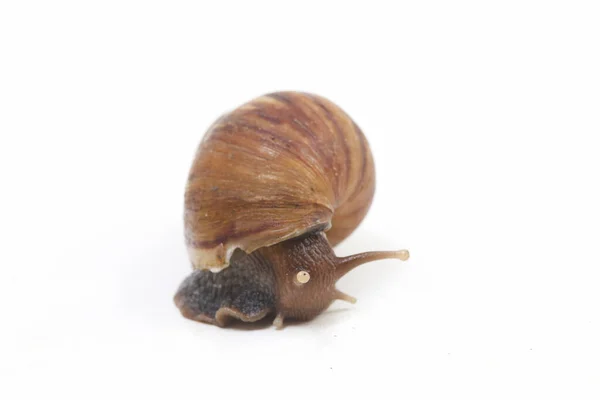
[274,185]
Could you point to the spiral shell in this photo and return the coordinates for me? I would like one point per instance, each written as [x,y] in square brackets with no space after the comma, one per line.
[277,167]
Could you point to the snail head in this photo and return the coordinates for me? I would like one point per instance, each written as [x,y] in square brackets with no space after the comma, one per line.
[294,279]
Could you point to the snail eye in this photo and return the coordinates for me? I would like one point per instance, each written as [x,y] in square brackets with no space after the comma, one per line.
[302,277]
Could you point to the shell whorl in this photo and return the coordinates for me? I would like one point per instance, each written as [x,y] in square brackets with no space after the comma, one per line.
[277,167]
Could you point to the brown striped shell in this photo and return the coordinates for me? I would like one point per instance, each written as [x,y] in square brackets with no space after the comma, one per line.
[277,167]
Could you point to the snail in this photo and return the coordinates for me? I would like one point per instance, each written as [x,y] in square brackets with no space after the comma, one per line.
[274,185]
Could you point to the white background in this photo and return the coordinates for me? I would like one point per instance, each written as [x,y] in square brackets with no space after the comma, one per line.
[483,118]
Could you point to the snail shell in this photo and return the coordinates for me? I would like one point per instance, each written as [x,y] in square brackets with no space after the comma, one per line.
[277,167]
[287,172]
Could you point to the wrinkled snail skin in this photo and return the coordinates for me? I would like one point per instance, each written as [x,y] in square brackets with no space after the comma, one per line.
[274,185]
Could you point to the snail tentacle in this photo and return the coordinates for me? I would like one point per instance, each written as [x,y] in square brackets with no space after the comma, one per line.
[278,321]
[338,295]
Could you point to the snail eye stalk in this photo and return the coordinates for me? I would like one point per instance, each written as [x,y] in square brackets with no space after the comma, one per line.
[346,264]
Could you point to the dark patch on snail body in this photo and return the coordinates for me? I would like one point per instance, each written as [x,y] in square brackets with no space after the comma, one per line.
[246,288]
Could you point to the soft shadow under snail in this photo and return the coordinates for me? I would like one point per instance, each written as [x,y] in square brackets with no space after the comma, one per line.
[274,185]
